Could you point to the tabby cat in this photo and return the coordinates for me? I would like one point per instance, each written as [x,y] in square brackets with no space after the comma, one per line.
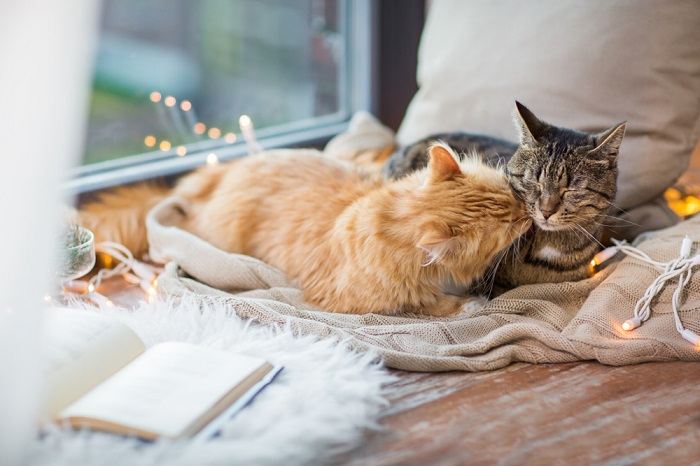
[567,180]
[354,242]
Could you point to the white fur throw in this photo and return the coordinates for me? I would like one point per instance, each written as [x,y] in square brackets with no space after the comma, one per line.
[317,407]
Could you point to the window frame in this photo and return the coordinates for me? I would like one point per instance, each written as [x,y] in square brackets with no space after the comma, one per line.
[358,92]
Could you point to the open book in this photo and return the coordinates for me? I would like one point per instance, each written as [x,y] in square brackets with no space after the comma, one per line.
[101,376]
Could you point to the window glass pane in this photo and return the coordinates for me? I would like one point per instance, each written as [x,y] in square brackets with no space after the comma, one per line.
[170,73]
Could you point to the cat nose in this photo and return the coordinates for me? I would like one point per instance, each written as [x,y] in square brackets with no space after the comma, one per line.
[548,206]
[547,213]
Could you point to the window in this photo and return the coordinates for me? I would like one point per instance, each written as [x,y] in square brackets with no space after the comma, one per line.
[174,79]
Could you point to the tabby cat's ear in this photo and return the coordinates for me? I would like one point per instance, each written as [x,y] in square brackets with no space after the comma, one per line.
[608,142]
[442,164]
[528,125]
[436,245]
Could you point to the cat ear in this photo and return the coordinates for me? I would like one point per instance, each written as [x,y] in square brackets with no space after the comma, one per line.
[528,125]
[442,164]
[608,142]
[436,245]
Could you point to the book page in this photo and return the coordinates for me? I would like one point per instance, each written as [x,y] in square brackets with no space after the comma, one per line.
[165,390]
[82,349]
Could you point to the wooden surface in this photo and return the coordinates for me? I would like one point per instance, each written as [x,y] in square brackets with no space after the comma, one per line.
[567,414]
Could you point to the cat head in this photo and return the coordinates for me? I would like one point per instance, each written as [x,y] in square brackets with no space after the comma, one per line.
[565,177]
[466,210]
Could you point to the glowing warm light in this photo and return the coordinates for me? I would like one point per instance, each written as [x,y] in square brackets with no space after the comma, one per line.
[155,97]
[149,140]
[244,120]
[672,194]
[199,128]
[165,145]
[181,151]
[90,288]
[230,138]
[591,267]
[212,159]
[682,205]
[105,260]
[170,101]
[186,105]
[214,133]
[47,298]
[626,326]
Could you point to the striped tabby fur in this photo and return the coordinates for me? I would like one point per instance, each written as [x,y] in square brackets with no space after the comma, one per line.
[567,180]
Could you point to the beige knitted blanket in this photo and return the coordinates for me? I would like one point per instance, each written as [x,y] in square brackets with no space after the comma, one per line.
[545,323]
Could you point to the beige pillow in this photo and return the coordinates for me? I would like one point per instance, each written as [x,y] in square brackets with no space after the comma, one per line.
[581,64]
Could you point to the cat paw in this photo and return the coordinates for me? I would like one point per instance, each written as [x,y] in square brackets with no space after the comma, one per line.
[445,306]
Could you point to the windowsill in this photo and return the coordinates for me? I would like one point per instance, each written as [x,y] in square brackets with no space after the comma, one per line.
[96,179]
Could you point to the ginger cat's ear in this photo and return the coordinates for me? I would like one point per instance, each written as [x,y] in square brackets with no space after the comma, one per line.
[443,163]
[436,245]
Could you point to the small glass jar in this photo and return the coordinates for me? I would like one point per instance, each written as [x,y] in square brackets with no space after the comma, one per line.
[78,253]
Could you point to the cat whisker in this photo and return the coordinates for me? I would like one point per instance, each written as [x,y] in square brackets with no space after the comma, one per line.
[588,234]
[621,219]
[612,204]
[490,277]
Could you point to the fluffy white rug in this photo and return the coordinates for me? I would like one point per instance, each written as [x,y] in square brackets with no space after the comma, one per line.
[317,407]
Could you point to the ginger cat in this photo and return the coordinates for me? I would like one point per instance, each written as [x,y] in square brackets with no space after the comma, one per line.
[354,243]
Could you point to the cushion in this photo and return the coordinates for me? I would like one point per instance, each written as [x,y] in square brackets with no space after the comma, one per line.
[580,64]
[366,142]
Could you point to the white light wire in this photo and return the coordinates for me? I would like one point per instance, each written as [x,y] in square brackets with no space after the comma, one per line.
[681,268]
[132,270]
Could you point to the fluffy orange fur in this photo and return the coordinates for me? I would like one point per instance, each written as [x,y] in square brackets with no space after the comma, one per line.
[354,242]
[119,215]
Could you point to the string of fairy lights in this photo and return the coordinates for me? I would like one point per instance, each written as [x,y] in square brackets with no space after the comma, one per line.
[181,115]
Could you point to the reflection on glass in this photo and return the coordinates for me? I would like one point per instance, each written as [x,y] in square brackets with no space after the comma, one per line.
[172,72]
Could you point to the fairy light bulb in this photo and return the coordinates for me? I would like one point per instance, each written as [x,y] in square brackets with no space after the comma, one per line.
[248,131]
[601,258]
[230,138]
[591,267]
[214,133]
[149,141]
[181,151]
[212,159]
[631,324]
[199,128]
[165,145]
[170,101]
[244,120]
[186,105]
[90,288]
[155,96]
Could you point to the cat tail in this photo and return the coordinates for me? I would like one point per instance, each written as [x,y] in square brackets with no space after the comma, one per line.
[119,214]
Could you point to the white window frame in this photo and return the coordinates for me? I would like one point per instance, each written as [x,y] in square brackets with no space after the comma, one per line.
[358,67]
